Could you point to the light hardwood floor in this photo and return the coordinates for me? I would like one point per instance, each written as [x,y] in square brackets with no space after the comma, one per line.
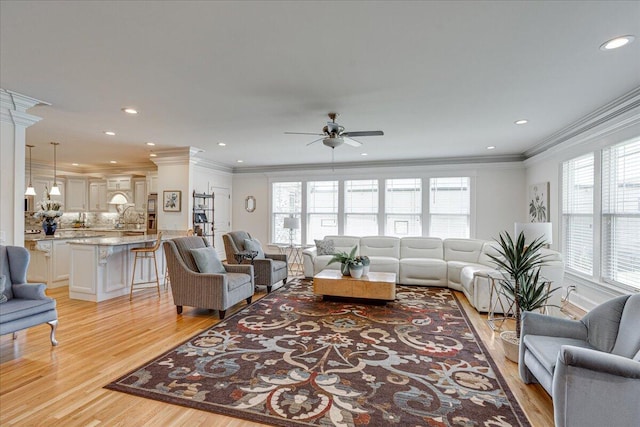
[41,385]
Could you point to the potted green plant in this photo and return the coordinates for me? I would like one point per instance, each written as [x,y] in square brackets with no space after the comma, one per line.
[356,268]
[346,259]
[521,283]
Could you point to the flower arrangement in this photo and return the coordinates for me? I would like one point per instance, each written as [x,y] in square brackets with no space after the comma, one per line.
[48,209]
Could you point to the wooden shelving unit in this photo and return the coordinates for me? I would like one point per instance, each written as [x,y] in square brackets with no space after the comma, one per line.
[203,215]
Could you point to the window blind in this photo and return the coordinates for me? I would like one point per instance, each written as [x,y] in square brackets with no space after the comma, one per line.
[403,207]
[449,207]
[361,207]
[577,213]
[286,202]
[322,209]
[621,214]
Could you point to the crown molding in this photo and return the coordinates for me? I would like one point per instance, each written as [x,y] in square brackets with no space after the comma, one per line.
[14,106]
[606,114]
[441,161]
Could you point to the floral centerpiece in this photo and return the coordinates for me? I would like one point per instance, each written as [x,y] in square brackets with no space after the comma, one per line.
[48,210]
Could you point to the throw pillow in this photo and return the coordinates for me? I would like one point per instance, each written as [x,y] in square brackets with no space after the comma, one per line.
[3,297]
[325,247]
[207,260]
[254,245]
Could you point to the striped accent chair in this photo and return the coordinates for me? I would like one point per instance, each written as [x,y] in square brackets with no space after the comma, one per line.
[269,270]
[217,291]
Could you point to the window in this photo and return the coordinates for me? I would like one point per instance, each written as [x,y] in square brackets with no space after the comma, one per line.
[322,209]
[361,207]
[403,207]
[286,201]
[577,213]
[449,207]
[621,214]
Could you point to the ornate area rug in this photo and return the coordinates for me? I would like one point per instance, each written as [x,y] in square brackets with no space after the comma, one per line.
[292,359]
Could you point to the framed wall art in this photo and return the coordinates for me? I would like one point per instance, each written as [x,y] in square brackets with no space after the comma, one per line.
[172,201]
[539,202]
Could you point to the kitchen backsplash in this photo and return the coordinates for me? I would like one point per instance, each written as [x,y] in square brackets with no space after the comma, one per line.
[68,219]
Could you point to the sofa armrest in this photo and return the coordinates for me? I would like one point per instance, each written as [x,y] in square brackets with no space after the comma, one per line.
[308,260]
[276,257]
[540,324]
[599,361]
[29,291]
[239,268]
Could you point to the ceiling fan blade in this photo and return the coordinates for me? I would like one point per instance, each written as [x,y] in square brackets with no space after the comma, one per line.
[352,142]
[303,133]
[364,133]
[319,139]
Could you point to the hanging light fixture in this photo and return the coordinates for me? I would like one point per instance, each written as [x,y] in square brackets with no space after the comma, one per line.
[30,190]
[55,191]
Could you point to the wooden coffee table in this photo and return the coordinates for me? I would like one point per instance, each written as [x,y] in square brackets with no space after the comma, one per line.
[373,286]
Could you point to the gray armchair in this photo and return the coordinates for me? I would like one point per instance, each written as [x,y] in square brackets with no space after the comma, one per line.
[214,291]
[590,367]
[269,270]
[26,304]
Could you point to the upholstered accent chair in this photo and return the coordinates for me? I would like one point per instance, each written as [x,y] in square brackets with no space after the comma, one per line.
[269,268]
[214,291]
[24,304]
[590,367]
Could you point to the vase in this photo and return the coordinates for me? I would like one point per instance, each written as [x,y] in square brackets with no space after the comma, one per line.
[344,269]
[356,272]
[49,226]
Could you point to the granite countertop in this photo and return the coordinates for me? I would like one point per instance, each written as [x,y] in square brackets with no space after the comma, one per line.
[59,236]
[116,241]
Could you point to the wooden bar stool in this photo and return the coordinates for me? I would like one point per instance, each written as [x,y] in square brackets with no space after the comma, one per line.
[148,253]
[167,279]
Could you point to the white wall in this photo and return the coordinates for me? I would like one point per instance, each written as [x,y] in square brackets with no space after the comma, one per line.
[499,193]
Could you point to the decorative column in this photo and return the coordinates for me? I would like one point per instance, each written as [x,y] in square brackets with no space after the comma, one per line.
[175,173]
[14,120]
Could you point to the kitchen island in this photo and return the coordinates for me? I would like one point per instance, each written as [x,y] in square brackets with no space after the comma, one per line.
[100,268]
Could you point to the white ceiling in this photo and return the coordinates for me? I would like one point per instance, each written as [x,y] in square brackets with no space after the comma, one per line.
[441,79]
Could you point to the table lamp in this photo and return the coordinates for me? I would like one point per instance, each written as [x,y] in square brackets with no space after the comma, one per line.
[292,224]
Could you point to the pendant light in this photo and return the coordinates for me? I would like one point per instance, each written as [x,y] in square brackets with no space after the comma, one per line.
[30,190]
[55,191]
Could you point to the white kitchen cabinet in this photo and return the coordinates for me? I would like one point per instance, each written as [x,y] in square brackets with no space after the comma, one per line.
[40,183]
[140,194]
[119,183]
[152,183]
[76,195]
[98,196]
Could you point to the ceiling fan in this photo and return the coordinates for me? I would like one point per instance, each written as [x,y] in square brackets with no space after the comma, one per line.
[334,135]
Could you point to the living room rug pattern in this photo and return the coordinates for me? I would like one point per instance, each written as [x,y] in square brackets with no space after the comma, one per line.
[293,359]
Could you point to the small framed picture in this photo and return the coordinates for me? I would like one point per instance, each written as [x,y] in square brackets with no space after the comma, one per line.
[172,201]
[200,217]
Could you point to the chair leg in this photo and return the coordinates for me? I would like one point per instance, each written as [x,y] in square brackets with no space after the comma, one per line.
[222,314]
[155,265]
[248,300]
[15,335]
[179,309]
[269,289]
[284,281]
[54,326]
[133,276]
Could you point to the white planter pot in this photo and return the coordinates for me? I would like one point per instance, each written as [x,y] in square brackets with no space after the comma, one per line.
[511,345]
[356,272]
[365,270]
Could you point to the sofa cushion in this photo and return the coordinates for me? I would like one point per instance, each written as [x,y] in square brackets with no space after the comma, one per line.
[603,323]
[278,265]
[384,264]
[254,246]
[3,297]
[467,250]
[546,349]
[236,280]
[344,243]
[454,269]
[423,271]
[207,260]
[421,247]
[19,308]
[184,246]
[325,247]
[380,246]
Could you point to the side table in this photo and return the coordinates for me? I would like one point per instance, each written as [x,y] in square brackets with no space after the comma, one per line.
[294,257]
[496,302]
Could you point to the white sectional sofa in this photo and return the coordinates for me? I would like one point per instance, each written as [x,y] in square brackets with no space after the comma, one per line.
[460,264]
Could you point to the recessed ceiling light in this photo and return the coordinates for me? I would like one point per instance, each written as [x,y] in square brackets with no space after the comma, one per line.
[616,43]
[491,147]
[74,164]
[109,132]
[521,122]
[222,144]
[130,110]
[364,154]
[151,143]
[240,161]
[112,161]
[153,155]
